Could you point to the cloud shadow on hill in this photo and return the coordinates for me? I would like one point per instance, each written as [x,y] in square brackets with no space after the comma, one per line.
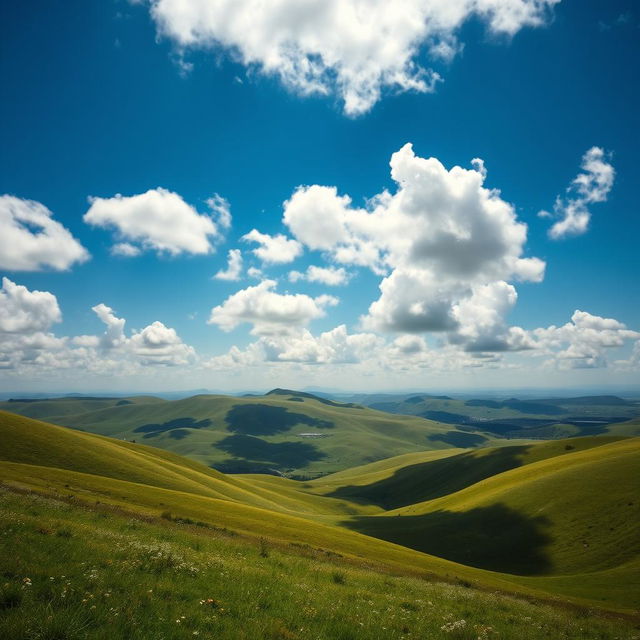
[265,420]
[284,455]
[460,439]
[155,429]
[496,537]
[433,479]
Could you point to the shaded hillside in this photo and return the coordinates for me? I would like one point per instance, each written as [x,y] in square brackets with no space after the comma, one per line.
[411,483]
[567,514]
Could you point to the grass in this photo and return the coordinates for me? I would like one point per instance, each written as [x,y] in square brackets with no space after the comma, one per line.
[536,513]
[567,515]
[251,435]
[123,578]
[413,478]
[516,418]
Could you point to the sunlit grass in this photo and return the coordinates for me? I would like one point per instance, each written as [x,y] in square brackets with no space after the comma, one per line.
[69,573]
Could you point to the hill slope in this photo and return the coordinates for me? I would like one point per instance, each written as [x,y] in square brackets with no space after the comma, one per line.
[543,418]
[100,574]
[528,520]
[281,432]
[573,514]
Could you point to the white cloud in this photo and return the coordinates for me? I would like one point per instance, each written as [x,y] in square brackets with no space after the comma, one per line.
[408,344]
[234,267]
[221,209]
[23,311]
[31,240]
[590,186]
[581,343]
[276,249]
[269,312]
[25,318]
[440,237]
[300,346]
[125,250]
[160,345]
[158,220]
[482,324]
[331,276]
[352,48]
[156,344]
[27,346]
[114,334]
[413,301]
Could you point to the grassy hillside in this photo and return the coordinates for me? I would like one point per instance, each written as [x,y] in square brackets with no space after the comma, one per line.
[572,514]
[405,480]
[39,444]
[282,432]
[528,525]
[101,574]
[543,418]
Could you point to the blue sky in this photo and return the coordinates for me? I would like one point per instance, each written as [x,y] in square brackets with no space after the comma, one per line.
[115,97]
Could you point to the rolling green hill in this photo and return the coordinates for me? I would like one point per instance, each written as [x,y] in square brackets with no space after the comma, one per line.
[404,480]
[572,513]
[283,432]
[558,522]
[544,418]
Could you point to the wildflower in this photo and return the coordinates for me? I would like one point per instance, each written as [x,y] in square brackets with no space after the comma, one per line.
[178,621]
[454,626]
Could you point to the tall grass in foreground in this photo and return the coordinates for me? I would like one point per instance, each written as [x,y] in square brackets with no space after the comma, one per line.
[69,573]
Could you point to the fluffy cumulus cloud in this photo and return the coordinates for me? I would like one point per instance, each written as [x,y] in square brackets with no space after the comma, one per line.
[269,312]
[31,240]
[23,311]
[27,345]
[113,336]
[301,346]
[354,49]
[276,249]
[158,220]
[25,321]
[159,345]
[446,244]
[582,343]
[481,320]
[331,276]
[590,186]
[234,267]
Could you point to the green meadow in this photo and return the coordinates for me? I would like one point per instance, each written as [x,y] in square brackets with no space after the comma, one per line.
[527,541]
[284,432]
